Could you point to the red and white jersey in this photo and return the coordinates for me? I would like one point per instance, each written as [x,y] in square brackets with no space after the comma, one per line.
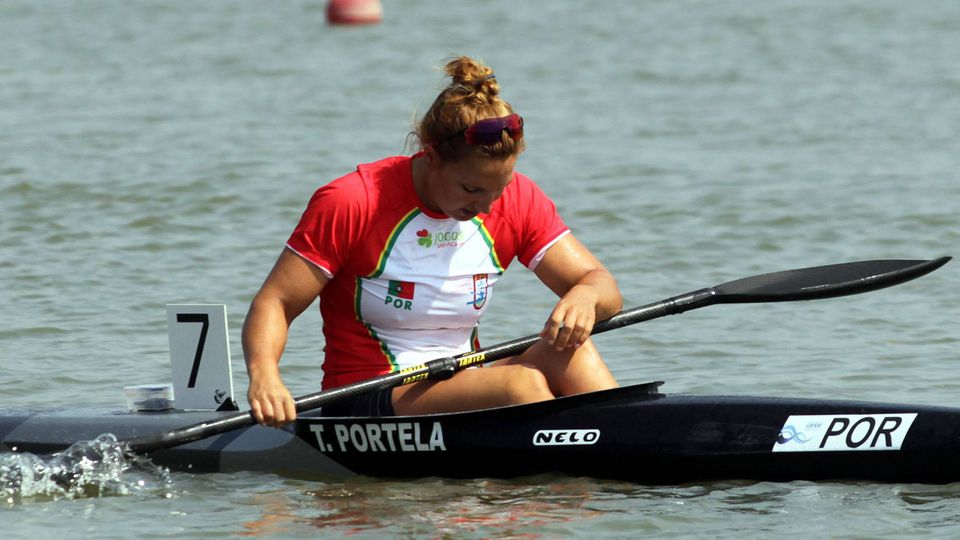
[407,284]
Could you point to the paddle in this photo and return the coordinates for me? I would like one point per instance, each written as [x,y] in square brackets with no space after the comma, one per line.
[803,284]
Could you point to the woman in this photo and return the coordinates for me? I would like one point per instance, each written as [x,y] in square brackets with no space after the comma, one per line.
[404,254]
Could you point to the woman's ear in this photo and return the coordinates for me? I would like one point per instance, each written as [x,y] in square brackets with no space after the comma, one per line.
[432,156]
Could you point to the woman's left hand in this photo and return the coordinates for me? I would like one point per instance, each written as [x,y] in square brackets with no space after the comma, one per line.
[586,289]
[571,321]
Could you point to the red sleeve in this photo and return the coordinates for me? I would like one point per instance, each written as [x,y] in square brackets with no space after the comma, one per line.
[541,225]
[332,223]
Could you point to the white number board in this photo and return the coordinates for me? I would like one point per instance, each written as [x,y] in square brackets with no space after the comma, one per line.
[200,357]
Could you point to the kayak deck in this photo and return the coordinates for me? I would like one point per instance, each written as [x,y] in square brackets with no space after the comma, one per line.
[633,433]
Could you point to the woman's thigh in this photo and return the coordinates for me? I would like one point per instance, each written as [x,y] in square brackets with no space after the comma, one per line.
[472,389]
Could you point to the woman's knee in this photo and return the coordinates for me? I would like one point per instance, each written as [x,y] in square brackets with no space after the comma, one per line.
[526,384]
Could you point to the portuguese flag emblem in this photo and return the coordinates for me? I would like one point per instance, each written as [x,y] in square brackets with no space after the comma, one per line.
[401,289]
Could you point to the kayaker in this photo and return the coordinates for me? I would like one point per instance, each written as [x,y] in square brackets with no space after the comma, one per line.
[404,254]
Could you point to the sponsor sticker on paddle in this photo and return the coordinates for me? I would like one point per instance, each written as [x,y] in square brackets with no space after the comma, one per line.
[843,432]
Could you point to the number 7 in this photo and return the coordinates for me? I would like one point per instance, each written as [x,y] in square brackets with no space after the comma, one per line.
[196,318]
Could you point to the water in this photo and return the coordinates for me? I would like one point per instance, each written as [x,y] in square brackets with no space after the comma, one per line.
[160,152]
[101,467]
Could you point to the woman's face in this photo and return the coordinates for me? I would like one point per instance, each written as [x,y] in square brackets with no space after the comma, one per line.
[462,189]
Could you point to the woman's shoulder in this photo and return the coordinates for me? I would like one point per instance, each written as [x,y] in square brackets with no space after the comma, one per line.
[523,191]
[365,182]
[389,171]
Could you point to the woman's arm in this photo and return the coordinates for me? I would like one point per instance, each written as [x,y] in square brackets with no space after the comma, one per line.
[291,287]
[587,291]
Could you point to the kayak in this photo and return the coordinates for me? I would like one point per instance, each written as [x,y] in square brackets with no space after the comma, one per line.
[634,433]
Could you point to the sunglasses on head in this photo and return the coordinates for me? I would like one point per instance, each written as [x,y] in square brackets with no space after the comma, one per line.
[490,131]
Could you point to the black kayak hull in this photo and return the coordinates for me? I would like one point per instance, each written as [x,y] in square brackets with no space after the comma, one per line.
[633,433]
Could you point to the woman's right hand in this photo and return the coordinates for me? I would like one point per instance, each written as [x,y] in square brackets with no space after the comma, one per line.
[270,401]
[292,285]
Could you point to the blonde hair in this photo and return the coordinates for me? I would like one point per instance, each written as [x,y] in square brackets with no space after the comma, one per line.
[473,94]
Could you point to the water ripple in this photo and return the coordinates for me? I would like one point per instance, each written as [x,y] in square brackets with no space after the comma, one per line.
[87,469]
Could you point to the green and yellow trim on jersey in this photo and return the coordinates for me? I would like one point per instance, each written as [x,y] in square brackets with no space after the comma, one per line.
[391,241]
[357,296]
[488,238]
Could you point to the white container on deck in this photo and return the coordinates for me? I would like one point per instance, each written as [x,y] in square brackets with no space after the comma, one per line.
[149,397]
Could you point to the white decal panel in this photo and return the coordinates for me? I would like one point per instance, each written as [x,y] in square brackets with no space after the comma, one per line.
[850,432]
[565,437]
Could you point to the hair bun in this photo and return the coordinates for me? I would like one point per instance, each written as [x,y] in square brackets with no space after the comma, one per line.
[471,95]
[469,73]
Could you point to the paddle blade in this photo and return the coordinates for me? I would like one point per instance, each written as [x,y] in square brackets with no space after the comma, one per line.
[824,281]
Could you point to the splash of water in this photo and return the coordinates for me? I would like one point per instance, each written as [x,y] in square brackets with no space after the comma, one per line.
[99,468]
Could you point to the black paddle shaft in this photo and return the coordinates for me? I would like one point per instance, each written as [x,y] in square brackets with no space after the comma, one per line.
[790,285]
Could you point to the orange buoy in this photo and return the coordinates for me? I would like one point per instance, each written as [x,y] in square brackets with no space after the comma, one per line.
[354,11]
